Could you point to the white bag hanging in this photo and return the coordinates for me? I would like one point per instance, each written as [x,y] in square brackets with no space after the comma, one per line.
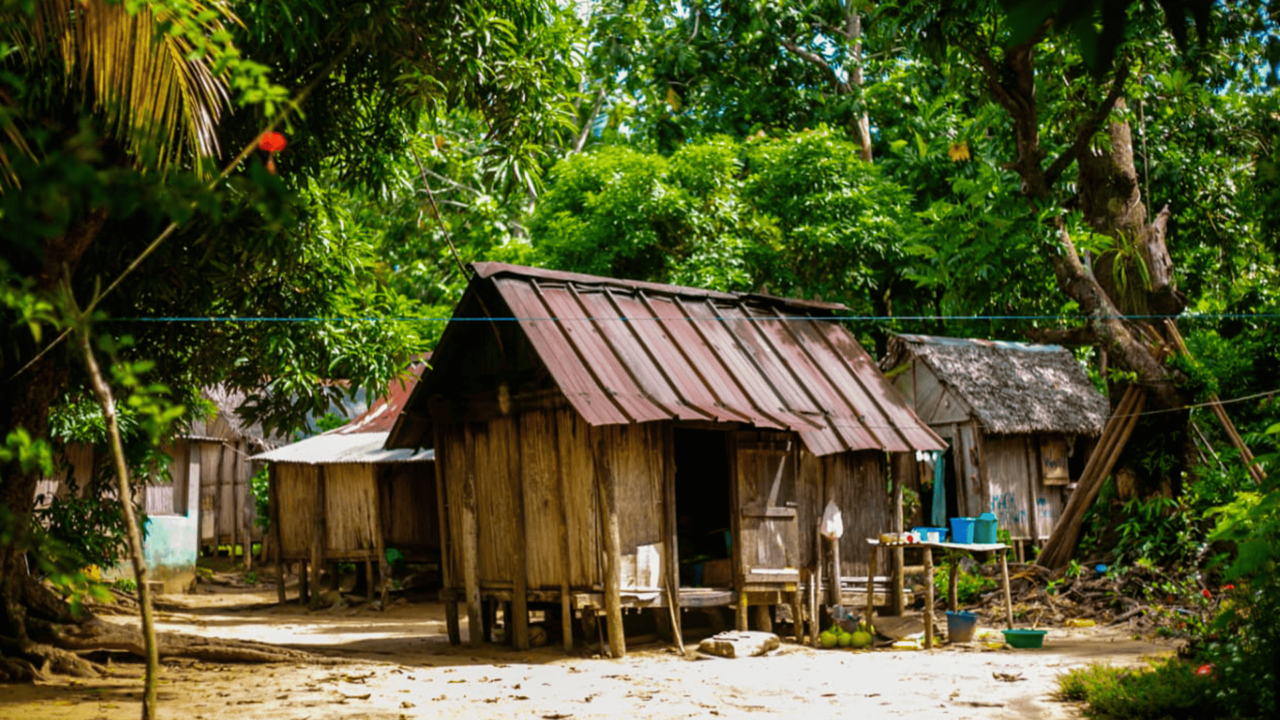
[832,522]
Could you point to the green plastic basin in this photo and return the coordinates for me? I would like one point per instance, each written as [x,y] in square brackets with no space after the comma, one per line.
[1025,639]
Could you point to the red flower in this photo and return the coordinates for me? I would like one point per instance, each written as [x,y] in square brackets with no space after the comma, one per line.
[271,142]
[1228,587]
[1204,670]
[1206,593]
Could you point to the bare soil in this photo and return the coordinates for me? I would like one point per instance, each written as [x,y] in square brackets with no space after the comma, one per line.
[399,664]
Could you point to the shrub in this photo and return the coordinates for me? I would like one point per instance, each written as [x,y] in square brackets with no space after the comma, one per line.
[1169,688]
[969,586]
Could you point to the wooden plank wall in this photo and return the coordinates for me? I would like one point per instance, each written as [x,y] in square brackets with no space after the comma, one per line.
[553,450]
[574,438]
[350,495]
[859,482]
[539,468]
[297,486]
[1010,491]
[495,499]
[410,516]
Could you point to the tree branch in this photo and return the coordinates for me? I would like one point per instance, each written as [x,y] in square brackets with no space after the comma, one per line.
[817,60]
[1072,337]
[1086,129]
[588,121]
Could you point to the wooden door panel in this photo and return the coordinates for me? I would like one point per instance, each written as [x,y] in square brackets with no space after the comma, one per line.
[769,544]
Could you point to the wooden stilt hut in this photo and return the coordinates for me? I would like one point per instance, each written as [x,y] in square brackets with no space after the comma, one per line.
[607,444]
[1020,421]
[341,497]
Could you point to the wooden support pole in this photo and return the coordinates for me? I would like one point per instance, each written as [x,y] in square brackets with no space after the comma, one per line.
[797,611]
[245,523]
[304,583]
[870,613]
[1008,596]
[1215,405]
[273,510]
[379,547]
[516,615]
[446,559]
[833,590]
[470,542]
[764,621]
[898,603]
[1066,533]
[814,621]
[953,583]
[928,597]
[612,552]
[566,553]
[319,534]
[671,543]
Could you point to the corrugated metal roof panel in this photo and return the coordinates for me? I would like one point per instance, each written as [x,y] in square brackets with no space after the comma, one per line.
[627,352]
[335,447]
[382,414]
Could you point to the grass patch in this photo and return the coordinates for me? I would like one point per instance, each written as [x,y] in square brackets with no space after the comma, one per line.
[1168,688]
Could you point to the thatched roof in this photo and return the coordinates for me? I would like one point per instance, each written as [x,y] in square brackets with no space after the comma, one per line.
[1013,388]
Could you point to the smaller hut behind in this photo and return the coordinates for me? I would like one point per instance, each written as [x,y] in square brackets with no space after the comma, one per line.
[340,497]
[1020,420]
[221,447]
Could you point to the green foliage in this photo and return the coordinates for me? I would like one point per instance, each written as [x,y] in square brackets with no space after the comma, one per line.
[1168,688]
[969,586]
[128,585]
[260,486]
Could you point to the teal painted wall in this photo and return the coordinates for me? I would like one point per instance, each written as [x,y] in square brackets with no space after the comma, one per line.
[171,548]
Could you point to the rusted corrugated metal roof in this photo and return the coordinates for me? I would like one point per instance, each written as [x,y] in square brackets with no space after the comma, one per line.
[628,352]
[382,414]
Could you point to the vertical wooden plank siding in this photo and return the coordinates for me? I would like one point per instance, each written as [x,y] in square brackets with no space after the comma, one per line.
[496,539]
[810,503]
[539,479]
[519,608]
[578,470]
[1009,493]
[1033,483]
[470,538]
[447,574]
[566,573]
[859,484]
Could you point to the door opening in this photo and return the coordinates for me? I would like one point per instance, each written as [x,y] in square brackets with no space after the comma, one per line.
[703,508]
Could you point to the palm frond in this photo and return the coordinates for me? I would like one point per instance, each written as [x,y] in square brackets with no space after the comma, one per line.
[136,65]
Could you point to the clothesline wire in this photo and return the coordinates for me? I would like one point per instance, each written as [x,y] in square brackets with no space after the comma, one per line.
[711,318]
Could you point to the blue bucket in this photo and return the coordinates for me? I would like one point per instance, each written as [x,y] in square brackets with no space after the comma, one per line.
[931,534]
[985,530]
[962,530]
[961,626]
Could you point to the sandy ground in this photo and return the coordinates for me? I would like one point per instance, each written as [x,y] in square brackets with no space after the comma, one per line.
[399,664]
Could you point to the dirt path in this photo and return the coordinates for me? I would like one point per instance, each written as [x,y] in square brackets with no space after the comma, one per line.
[399,664]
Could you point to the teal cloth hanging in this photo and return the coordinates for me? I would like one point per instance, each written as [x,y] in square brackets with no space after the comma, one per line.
[939,492]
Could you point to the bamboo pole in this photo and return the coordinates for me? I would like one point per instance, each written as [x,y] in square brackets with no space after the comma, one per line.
[1061,543]
[1215,405]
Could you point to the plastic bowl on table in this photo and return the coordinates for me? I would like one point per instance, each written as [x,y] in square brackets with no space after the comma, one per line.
[1025,639]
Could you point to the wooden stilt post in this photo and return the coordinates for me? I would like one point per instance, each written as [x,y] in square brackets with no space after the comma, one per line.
[1008,596]
[612,552]
[671,558]
[379,547]
[928,597]
[953,582]
[446,557]
[304,583]
[470,542]
[319,534]
[898,599]
[871,584]
[566,556]
[273,509]
[516,615]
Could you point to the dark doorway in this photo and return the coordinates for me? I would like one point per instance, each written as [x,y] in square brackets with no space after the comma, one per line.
[703,508]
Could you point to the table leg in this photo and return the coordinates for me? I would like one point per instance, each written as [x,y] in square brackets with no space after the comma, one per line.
[1008,596]
[871,585]
[928,597]
[953,584]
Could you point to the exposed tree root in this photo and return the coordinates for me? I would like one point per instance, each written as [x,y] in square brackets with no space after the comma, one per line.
[48,640]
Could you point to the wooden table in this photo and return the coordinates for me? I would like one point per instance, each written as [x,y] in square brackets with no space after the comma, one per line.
[953,551]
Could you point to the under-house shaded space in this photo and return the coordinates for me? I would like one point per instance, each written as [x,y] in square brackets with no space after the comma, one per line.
[703,508]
